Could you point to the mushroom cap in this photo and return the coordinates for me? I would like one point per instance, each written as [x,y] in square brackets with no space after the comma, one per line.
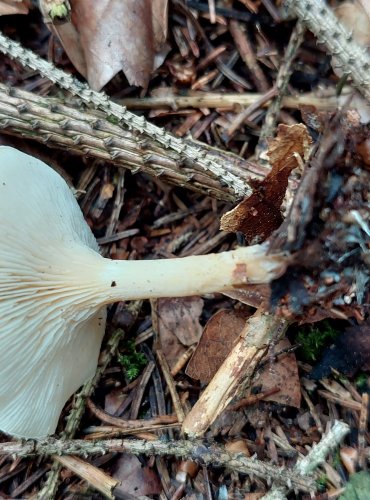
[50,329]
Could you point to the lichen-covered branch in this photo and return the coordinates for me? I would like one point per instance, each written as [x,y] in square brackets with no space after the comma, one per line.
[188,152]
[197,451]
[89,132]
[351,57]
[321,450]
[316,456]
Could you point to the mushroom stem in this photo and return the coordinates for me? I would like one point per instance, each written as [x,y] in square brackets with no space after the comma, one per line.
[196,275]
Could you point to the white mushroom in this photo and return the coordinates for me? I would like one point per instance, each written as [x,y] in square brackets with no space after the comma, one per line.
[54,288]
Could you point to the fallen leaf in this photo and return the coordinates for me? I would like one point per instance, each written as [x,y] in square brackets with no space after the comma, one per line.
[218,338]
[178,325]
[10,7]
[103,38]
[251,295]
[260,214]
[136,479]
[159,19]
[282,374]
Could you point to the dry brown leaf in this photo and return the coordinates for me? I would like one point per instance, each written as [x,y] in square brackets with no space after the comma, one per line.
[251,295]
[106,37]
[10,7]
[218,338]
[159,19]
[260,214]
[178,325]
[135,478]
[282,374]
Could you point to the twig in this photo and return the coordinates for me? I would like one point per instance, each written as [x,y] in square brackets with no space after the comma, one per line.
[198,451]
[215,100]
[127,119]
[352,58]
[89,132]
[245,50]
[260,330]
[313,411]
[97,478]
[346,403]
[171,385]
[326,445]
[362,429]
[241,117]
[129,424]
[316,456]
[253,399]
[282,79]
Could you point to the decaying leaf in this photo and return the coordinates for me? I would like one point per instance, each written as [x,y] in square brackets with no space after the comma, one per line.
[135,478]
[10,7]
[282,374]
[327,230]
[260,214]
[219,336]
[103,38]
[178,325]
[251,295]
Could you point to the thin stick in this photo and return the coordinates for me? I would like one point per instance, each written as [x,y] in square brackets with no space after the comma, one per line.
[171,385]
[126,118]
[282,79]
[316,456]
[214,100]
[362,429]
[352,58]
[326,445]
[259,331]
[198,451]
[245,50]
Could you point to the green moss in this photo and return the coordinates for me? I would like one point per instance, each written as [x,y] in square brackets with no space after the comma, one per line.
[132,361]
[362,382]
[313,338]
[322,483]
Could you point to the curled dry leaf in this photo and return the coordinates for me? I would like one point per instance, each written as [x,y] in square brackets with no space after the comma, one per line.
[9,7]
[219,336]
[103,38]
[282,374]
[178,325]
[260,214]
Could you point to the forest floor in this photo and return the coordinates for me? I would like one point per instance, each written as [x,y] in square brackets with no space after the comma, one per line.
[290,143]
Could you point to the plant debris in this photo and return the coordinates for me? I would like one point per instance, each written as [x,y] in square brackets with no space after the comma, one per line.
[257,123]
